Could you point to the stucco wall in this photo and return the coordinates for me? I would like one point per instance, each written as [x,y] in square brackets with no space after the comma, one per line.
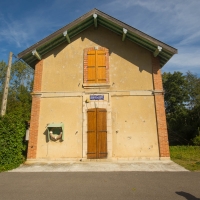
[130,64]
[134,127]
[69,111]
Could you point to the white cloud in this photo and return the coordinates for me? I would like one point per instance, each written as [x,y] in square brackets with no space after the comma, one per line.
[188,59]
[178,17]
[173,22]
[12,32]
[24,31]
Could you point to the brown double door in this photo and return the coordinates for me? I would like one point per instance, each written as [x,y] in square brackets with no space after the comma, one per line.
[97,133]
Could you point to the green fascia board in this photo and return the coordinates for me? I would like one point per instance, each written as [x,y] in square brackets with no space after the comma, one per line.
[59,40]
[137,41]
[131,36]
[119,30]
[165,54]
[30,60]
[111,26]
[28,57]
[163,60]
[51,46]
[50,43]
[111,29]
[76,33]
[86,21]
[80,29]
[110,23]
[80,26]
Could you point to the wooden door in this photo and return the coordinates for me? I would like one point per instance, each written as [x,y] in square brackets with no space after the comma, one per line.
[97,133]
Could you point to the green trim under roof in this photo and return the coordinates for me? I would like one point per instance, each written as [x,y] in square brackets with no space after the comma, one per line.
[86,21]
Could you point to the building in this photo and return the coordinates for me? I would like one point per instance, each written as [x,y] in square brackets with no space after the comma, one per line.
[98,92]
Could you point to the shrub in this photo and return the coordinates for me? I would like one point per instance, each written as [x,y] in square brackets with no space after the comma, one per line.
[12,145]
[196,140]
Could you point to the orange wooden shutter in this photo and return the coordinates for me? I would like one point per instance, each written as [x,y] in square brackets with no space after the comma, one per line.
[91,68]
[101,133]
[91,134]
[101,66]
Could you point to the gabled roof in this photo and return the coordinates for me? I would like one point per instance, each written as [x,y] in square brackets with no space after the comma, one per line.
[97,18]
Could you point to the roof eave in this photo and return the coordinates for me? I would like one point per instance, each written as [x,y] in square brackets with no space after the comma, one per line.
[85,21]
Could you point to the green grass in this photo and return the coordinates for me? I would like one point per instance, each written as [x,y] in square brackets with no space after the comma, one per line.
[186,156]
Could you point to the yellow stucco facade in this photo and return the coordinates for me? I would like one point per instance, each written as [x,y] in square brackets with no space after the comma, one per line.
[128,99]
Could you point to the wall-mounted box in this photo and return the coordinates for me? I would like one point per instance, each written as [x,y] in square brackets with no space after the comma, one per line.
[55,131]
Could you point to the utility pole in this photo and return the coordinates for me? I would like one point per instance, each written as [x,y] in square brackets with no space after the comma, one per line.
[6,86]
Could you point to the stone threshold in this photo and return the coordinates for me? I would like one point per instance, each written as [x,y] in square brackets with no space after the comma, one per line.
[85,160]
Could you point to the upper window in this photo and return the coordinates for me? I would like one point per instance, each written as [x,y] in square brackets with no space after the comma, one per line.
[96,66]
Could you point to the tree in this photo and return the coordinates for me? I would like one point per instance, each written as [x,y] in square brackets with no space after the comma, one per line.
[176,93]
[182,94]
[194,105]
[13,124]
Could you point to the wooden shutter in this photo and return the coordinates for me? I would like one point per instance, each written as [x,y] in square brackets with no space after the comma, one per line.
[101,66]
[91,134]
[101,133]
[91,68]
[96,67]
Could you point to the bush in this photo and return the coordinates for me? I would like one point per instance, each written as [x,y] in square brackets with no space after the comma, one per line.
[12,145]
[196,140]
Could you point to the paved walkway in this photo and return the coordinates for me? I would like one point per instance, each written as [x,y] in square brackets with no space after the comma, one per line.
[154,166]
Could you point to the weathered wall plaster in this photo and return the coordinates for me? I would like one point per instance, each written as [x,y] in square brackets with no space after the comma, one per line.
[134,127]
[131,119]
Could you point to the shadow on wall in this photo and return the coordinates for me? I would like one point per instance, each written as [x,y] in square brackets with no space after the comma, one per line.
[188,196]
[106,38]
[127,49]
[46,135]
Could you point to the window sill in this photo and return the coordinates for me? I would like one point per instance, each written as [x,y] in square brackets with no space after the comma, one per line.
[96,85]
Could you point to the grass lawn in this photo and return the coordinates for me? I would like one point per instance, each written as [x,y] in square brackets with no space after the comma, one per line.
[186,156]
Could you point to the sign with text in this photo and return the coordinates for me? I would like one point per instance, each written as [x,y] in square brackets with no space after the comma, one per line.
[96,97]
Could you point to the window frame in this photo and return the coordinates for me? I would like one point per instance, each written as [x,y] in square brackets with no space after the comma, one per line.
[85,68]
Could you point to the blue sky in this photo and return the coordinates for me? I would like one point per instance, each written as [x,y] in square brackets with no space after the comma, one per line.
[174,22]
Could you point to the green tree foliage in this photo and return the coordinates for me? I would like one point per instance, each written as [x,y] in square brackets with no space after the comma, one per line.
[13,124]
[176,93]
[12,145]
[193,90]
[182,93]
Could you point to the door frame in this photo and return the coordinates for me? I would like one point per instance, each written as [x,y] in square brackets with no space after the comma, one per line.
[97,104]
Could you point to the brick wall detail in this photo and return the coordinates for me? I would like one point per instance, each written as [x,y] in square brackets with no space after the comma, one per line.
[160,109]
[38,77]
[35,111]
[85,62]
